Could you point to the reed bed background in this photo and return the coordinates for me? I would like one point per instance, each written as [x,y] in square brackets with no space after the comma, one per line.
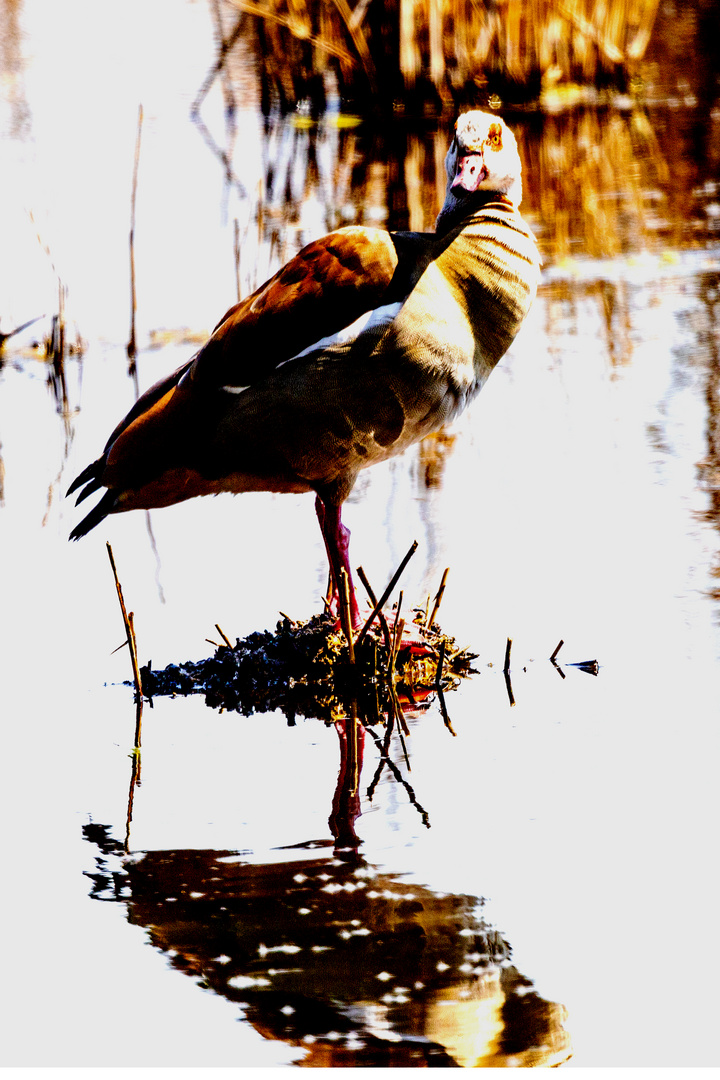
[441,53]
[606,171]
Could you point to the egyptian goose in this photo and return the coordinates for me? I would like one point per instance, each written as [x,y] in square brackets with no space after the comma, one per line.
[360,346]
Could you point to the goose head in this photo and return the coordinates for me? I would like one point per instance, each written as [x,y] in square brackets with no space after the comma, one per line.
[483,158]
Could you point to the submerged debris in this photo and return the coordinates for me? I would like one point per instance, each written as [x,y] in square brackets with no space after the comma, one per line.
[304,668]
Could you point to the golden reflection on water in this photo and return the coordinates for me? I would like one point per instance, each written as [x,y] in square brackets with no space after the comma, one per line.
[599,182]
[332,955]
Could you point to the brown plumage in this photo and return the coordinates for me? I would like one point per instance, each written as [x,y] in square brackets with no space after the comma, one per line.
[361,345]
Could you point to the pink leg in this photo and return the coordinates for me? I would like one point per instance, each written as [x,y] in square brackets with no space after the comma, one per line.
[337,542]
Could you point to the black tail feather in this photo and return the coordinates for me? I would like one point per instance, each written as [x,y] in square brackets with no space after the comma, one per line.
[97,514]
[92,472]
[92,486]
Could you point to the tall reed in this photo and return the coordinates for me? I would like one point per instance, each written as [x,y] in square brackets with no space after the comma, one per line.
[439,53]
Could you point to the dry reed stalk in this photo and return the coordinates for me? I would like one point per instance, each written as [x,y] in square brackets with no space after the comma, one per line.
[441,661]
[590,32]
[410,59]
[397,621]
[138,685]
[439,50]
[444,713]
[224,636]
[414,186]
[129,627]
[397,634]
[359,41]
[373,601]
[645,20]
[297,27]
[439,689]
[132,343]
[438,598]
[55,350]
[225,46]
[513,26]
[12,333]
[218,67]
[436,44]
[393,582]
[403,728]
[506,671]
[553,658]
[135,781]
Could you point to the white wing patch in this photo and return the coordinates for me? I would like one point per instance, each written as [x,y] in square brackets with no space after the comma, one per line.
[377,317]
[380,316]
[235,389]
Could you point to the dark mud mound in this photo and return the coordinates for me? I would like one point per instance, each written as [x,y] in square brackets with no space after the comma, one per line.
[304,669]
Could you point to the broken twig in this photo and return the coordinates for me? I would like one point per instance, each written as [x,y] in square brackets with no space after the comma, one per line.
[438,598]
[127,620]
[393,582]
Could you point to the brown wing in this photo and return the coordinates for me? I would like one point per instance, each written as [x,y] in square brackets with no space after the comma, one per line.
[323,289]
[326,287]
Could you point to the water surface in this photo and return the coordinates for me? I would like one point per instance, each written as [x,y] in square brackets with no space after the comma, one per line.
[539,884]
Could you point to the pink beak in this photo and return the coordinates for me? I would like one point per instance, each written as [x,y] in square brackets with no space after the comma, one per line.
[470,173]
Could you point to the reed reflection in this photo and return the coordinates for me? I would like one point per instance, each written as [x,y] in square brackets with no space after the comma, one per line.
[604,177]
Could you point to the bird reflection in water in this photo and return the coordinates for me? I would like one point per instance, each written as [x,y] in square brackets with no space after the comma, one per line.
[332,954]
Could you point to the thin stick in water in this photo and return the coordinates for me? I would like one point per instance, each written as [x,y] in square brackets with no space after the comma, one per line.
[373,601]
[506,672]
[438,598]
[441,661]
[129,628]
[508,647]
[393,582]
[397,630]
[132,343]
[138,685]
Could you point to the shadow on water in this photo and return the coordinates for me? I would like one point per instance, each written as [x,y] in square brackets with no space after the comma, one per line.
[331,954]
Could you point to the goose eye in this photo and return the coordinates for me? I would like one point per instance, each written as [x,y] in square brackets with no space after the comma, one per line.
[495,138]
